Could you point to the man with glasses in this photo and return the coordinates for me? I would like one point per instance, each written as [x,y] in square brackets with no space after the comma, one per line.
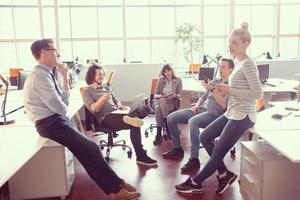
[46,105]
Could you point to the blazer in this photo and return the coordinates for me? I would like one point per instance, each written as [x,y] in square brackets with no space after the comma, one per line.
[176,87]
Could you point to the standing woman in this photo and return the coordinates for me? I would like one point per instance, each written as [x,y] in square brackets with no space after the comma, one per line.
[244,88]
[167,94]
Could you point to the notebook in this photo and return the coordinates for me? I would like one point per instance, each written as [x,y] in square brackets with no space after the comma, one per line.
[136,103]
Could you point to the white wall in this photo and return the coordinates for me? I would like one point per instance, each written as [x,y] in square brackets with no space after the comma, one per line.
[133,78]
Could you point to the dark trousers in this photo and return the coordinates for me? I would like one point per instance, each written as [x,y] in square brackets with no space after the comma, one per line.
[229,131]
[60,129]
[115,121]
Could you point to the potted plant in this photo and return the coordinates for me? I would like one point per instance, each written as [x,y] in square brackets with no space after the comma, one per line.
[190,36]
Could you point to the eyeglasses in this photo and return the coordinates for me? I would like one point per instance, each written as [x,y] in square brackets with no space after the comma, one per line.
[53,49]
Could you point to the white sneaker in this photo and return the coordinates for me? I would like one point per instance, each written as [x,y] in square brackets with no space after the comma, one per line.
[136,122]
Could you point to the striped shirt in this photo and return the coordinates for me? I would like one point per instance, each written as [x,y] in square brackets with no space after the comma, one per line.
[245,90]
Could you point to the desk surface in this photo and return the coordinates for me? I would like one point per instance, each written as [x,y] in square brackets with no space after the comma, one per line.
[18,145]
[284,134]
[265,122]
[284,141]
[280,85]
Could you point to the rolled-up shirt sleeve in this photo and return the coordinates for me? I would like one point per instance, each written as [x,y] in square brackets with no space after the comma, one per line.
[65,96]
[46,91]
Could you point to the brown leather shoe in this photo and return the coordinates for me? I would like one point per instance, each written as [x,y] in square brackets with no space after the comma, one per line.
[128,187]
[124,194]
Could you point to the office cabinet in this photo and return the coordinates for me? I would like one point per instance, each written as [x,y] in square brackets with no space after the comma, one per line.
[49,173]
[266,174]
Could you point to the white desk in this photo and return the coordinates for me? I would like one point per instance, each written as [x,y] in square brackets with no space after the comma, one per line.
[284,141]
[21,149]
[18,145]
[265,122]
[280,86]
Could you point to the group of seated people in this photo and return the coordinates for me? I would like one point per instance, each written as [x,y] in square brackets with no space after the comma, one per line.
[230,111]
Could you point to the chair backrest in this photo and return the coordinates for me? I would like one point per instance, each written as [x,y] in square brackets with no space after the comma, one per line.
[153,86]
[260,104]
[194,68]
[21,79]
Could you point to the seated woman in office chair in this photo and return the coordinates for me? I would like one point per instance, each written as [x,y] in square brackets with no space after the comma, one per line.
[167,94]
[101,102]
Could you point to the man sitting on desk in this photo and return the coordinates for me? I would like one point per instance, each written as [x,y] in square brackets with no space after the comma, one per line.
[46,105]
[100,101]
[199,117]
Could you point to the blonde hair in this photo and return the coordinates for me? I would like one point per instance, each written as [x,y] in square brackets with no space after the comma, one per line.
[243,32]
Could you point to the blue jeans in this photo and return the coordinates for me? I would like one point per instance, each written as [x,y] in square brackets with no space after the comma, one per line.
[195,121]
[230,132]
[61,130]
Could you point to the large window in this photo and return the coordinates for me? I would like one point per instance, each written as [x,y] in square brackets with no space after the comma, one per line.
[143,30]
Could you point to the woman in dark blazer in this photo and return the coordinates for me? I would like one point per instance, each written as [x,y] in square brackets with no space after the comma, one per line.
[167,94]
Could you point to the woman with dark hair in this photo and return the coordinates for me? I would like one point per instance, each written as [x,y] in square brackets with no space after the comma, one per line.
[167,94]
[101,102]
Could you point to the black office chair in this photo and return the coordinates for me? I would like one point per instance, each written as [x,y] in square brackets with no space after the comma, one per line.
[92,124]
[21,78]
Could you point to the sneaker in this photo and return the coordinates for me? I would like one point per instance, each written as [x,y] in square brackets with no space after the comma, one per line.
[225,182]
[144,159]
[188,187]
[133,121]
[158,140]
[191,165]
[173,154]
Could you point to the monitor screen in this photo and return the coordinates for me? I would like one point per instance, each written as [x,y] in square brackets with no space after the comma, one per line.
[263,71]
[206,72]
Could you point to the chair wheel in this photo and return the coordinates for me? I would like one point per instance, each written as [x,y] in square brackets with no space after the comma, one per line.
[107,158]
[101,148]
[123,147]
[129,154]
[146,134]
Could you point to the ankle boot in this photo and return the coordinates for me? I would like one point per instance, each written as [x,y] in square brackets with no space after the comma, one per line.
[158,138]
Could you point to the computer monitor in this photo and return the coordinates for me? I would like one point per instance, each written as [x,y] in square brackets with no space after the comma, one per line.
[263,71]
[21,79]
[70,64]
[206,72]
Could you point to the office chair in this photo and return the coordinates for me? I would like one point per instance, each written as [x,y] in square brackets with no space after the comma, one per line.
[22,75]
[149,101]
[92,124]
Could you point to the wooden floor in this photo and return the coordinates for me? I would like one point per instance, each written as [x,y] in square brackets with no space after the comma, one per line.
[153,183]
